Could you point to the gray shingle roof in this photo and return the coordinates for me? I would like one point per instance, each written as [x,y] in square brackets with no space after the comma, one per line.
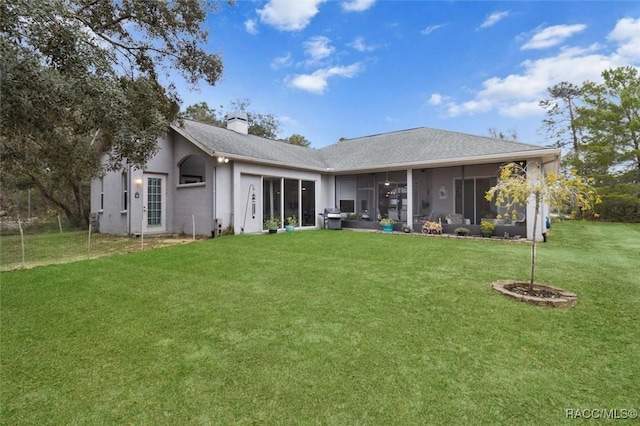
[228,142]
[416,145]
[376,151]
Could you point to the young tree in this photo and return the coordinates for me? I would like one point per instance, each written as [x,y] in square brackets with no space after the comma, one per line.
[82,79]
[518,185]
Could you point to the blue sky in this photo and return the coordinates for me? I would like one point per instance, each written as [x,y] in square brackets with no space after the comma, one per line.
[350,68]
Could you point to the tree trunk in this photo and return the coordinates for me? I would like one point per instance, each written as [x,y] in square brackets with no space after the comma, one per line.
[533,243]
[75,219]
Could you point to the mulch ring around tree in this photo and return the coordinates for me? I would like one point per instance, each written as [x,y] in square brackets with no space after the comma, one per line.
[542,294]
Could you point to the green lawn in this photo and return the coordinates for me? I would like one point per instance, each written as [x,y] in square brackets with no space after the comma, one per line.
[324,327]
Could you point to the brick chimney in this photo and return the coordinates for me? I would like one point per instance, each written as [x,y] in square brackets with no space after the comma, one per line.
[238,122]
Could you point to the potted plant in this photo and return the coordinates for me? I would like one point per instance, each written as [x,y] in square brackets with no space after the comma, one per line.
[486,228]
[461,231]
[387,224]
[272,224]
[292,222]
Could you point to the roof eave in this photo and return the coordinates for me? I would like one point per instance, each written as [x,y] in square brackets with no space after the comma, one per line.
[194,141]
[550,153]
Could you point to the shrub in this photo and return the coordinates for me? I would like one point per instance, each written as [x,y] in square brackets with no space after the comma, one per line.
[462,231]
[487,227]
[619,208]
[272,223]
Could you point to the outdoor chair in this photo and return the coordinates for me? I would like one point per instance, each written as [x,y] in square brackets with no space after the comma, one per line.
[454,219]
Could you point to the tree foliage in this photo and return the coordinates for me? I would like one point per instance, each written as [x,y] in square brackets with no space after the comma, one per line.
[611,119]
[296,139]
[560,123]
[83,78]
[510,135]
[265,125]
[519,185]
[598,125]
[203,113]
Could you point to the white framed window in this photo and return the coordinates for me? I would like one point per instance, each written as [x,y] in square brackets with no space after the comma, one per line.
[192,170]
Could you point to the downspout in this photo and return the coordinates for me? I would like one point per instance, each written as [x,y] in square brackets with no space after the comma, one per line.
[462,201]
[213,201]
[129,206]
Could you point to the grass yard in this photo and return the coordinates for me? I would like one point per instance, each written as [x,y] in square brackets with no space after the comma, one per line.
[324,327]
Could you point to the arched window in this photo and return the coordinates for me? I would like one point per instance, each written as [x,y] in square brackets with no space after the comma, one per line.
[192,170]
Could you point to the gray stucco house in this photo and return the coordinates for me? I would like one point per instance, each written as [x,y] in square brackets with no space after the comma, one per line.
[206,179]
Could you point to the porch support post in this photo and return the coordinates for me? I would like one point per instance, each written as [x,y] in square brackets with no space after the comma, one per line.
[409,218]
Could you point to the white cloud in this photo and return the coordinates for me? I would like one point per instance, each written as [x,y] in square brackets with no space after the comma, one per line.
[627,34]
[361,46]
[251,26]
[469,107]
[521,109]
[317,81]
[287,15]
[552,36]
[285,119]
[431,28]
[435,99]
[493,19]
[318,47]
[357,5]
[518,94]
[283,61]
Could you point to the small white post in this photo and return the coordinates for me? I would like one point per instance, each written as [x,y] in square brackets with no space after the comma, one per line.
[21,239]
[193,226]
[88,241]
[59,224]
[142,235]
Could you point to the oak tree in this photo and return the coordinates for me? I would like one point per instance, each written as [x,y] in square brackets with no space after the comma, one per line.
[86,80]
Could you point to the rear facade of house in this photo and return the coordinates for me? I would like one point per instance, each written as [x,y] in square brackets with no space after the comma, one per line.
[207,180]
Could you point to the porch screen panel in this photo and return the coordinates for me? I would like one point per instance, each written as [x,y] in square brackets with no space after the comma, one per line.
[465,198]
[271,199]
[308,203]
[346,194]
[154,202]
[475,205]
[291,203]
[484,208]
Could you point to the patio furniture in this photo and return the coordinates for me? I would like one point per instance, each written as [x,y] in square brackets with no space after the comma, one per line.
[454,219]
[430,227]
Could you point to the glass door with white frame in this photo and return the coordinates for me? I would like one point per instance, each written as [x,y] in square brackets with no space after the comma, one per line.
[154,203]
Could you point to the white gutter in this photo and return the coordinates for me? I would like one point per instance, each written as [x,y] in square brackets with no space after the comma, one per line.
[449,162]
